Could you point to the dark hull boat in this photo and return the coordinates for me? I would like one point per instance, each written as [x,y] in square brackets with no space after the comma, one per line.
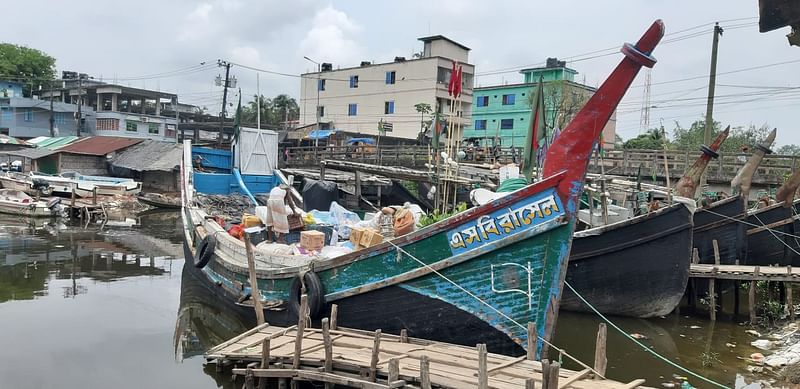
[722,220]
[770,236]
[638,267]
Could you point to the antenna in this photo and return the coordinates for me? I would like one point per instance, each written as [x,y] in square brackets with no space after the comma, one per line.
[644,118]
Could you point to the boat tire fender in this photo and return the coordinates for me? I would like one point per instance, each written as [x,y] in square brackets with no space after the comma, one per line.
[205,251]
[314,293]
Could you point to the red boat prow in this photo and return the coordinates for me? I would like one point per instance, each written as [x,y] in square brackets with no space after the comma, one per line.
[572,149]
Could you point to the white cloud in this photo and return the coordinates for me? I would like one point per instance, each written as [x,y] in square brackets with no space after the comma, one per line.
[332,38]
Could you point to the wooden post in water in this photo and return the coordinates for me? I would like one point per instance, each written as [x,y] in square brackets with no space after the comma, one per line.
[404,336]
[249,379]
[424,373]
[334,312]
[600,359]
[545,373]
[752,297]
[94,196]
[712,294]
[301,327]
[322,171]
[358,188]
[251,268]
[483,370]
[533,338]
[530,383]
[373,363]
[72,199]
[265,350]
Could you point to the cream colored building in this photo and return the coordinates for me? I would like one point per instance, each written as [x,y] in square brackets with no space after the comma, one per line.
[356,99]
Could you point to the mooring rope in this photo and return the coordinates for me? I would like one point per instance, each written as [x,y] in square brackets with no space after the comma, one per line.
[642,345]
[560,351]
[747,223]
[776,236]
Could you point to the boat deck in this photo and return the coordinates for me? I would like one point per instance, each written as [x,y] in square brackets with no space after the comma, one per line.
[365,359]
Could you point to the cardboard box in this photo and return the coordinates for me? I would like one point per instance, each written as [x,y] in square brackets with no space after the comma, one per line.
[355,235]
[312,240]
[370,238]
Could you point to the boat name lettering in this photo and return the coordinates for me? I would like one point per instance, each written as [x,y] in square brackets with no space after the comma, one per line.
[508,221]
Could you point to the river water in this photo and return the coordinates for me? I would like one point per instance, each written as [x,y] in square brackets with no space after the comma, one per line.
[111,307]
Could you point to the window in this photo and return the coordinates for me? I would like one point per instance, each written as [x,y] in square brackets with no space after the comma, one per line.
[480,124]
[354,81]
[321,110]
[508,99]
[390,78]
[152,128]
[131,126]
[321,84]
[6,114]
[352,109]
[108,124]
[60,118]
[388,107]
[506,124]
[483,101]
[28,115]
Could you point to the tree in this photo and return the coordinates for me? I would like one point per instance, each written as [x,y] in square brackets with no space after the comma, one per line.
[423,109]
[653,139]
[287,106]
[274,111]
[740,138]
[30,66]
[788,150]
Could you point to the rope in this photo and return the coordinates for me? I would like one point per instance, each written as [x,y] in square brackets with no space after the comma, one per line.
[560,351]
[640,344]
[748,223]
[776,236]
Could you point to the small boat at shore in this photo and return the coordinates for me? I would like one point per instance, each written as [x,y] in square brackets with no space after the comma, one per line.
[17,202]
[158,200]
[478,276]
[84,186]
[21,182]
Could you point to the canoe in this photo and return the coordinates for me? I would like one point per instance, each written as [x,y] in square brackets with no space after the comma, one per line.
[477,277]
[23,183]
[16,202]
[158,200]
[637,267]
[109,186]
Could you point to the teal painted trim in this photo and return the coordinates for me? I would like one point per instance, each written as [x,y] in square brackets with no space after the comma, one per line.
[451,261]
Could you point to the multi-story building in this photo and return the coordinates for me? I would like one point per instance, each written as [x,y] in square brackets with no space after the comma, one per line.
[357,99]
[24,117]
[119,110]
[502,113]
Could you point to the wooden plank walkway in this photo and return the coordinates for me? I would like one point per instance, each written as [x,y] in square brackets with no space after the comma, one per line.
[373,360]
[744,272]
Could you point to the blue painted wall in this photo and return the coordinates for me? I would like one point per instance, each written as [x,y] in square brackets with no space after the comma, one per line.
[221,181]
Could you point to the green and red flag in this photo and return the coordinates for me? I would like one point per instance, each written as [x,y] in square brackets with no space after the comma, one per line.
[536,135]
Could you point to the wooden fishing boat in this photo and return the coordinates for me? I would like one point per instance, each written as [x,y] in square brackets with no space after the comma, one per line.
[17,202]
[158,200]
[23,183]
[637,267]
[771,230]
[61,186]
[104,185]
[478,276]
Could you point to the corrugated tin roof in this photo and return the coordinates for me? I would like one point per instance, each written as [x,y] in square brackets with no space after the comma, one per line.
[10,140]
[30,153]
[150,155]
[56,142]
[99,145]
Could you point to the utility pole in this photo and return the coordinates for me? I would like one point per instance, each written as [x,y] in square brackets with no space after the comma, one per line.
[225,85]
[52,115]
[712,80]
[80,103]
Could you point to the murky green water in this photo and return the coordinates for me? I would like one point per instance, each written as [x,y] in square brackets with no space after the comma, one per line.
[110,307]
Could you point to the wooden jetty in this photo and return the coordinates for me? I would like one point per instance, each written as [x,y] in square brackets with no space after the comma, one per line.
[373,360]
[739,273]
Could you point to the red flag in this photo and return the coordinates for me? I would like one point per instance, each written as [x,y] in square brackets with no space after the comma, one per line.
[452,84]
[457,86]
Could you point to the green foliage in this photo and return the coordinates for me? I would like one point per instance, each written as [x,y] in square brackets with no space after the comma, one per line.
[788,150]
[739,138]
[437,216]
[31,66]
[274,111]
[653,139]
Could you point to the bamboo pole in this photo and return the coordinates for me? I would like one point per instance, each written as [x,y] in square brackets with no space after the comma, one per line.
[301,326]
[251,269]
[600,359]
[334,312]
[483,373]
[424,373]
[532,340]
[373,363]
[326,338]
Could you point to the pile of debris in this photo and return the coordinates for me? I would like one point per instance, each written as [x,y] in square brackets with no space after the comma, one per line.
[230,207]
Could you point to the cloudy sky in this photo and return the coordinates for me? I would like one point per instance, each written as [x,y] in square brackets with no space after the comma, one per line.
[161,45]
